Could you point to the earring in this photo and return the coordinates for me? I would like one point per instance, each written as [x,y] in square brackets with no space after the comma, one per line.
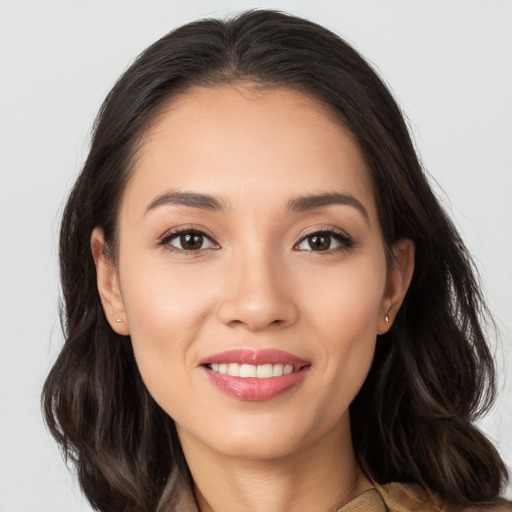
[119,320]
[386,319]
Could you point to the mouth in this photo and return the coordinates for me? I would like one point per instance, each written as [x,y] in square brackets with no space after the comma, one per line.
[261,371]
[255,375]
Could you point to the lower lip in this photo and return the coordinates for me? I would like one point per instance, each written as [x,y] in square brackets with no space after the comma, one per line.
[253,389]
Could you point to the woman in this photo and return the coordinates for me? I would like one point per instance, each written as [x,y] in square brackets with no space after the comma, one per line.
[275,313]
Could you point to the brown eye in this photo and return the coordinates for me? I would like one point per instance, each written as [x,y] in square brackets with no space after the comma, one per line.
[325,241]
[192,241]
[320,242]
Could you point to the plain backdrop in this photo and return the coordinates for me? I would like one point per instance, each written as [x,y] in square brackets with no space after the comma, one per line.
[448,62]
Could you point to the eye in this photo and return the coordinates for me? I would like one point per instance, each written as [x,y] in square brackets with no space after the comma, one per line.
[189,240]
[324,241]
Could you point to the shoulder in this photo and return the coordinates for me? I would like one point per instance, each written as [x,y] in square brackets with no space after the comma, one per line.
[413,498]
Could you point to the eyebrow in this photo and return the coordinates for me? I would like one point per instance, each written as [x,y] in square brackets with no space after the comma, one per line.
[305,203]
[192,199]
[300,204]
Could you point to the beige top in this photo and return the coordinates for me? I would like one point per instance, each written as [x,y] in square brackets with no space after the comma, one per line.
[392,497]
[396,497]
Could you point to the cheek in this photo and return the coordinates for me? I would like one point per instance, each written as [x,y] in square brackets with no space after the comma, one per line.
[166,311]
[160,305]
[343,310]
[347,298]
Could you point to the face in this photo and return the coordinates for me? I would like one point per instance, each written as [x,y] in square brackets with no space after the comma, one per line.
[251,272]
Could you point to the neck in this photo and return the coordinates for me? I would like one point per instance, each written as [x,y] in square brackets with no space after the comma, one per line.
[322,476]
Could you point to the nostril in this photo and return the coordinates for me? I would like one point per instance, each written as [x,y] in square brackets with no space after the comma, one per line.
[257,313]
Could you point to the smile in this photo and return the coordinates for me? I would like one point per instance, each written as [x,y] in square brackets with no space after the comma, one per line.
[255,375]
[262,371]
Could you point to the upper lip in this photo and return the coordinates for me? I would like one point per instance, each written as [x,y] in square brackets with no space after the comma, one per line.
[255,357]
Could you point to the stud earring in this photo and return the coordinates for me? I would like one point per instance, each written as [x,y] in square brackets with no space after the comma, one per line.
[119,320]
[386,319]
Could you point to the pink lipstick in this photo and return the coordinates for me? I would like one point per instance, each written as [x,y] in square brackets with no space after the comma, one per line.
[255,375]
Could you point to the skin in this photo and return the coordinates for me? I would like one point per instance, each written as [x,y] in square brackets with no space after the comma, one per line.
[255,283]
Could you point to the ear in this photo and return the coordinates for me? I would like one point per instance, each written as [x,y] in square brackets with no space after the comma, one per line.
[399,279]
[108,285]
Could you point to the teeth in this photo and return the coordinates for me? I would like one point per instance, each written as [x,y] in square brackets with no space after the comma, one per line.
[234,369]
[263,371]
[247,370]
[277,370]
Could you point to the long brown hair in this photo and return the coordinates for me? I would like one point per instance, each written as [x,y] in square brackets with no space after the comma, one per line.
[433,373]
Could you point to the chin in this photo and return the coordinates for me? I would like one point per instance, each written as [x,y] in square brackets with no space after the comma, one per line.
[261,447]
[249,439]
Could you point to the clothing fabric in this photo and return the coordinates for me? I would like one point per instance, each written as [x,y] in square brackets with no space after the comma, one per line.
[391,497]
[397,497]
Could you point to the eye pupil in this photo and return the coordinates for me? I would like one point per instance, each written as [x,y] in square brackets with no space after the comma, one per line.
[319,242]
[191,241]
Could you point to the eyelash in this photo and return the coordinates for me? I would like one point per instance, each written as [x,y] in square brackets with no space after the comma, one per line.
[338,235]
[166,240]
[344,239]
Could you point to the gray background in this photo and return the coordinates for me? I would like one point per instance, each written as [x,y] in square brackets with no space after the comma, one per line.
[448,62]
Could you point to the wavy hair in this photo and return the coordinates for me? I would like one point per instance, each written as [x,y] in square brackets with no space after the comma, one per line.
[432,374]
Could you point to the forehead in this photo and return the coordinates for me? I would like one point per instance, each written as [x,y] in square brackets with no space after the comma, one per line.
[240,142]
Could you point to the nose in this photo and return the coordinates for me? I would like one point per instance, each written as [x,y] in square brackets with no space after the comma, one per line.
[258,294]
